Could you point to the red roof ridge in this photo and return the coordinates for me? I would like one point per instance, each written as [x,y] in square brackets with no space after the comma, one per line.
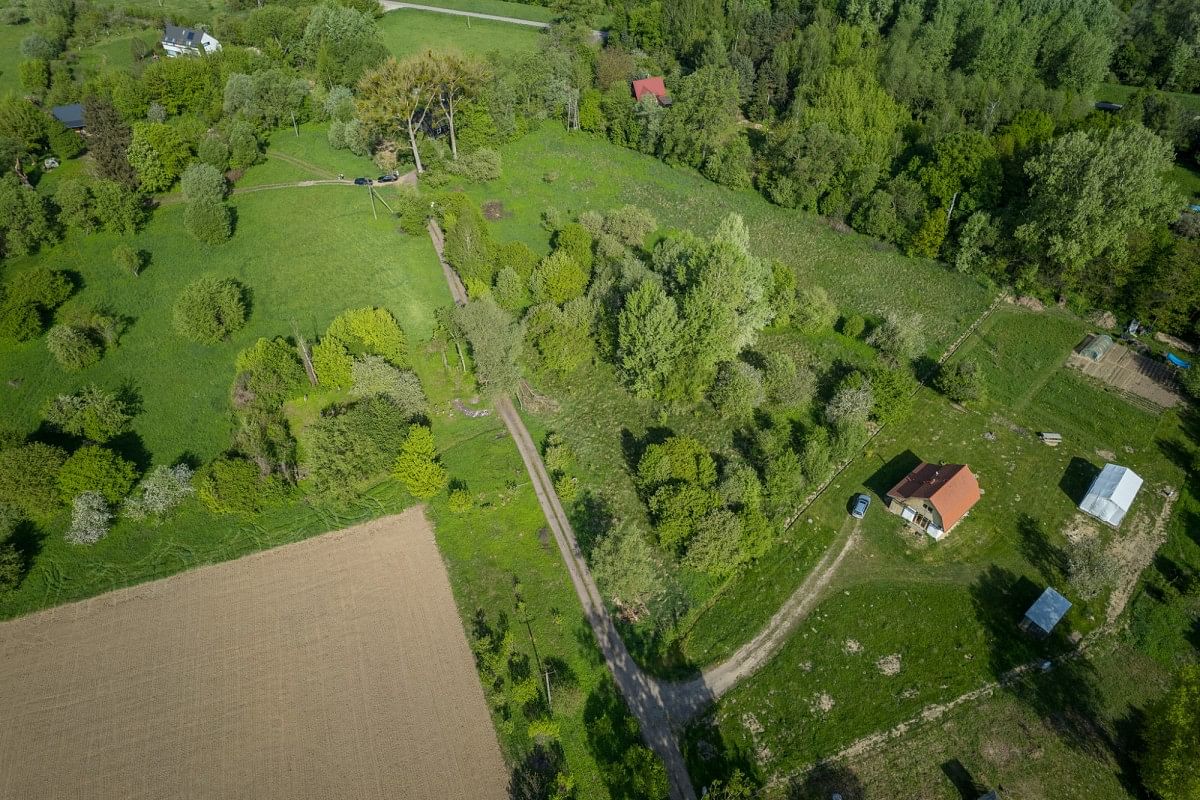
[950,488]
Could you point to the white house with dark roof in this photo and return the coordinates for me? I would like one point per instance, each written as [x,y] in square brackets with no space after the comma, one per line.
[179,41]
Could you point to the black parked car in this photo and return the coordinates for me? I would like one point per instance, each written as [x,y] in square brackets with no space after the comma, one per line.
[361,181]
[385,179]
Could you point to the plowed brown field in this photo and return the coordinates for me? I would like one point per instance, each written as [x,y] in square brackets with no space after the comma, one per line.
[333,668]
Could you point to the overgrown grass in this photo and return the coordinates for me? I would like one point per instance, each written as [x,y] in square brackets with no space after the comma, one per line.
[10,55]
[1118,93]
[406,32]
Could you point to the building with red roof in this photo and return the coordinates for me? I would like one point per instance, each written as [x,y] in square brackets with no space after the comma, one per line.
[651,86]
[934,497]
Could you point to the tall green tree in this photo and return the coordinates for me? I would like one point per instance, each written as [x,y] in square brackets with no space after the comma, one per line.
[648,339]
[1087,192]
[1173,740]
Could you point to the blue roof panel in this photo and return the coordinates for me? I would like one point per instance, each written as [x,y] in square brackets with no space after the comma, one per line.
[1048,610]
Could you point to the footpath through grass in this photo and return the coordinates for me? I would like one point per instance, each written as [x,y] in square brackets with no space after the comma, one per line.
[909,623]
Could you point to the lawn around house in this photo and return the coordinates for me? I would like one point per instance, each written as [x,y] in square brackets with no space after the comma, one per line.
[949,610]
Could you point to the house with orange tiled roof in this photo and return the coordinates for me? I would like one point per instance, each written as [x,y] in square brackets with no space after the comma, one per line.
[934,497]
[653,87]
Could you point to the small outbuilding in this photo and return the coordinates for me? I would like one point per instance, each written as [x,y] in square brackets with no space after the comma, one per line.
[1094,347]
[651,86]
[934,497]
[1044,614]
[71,116]
[1109,497]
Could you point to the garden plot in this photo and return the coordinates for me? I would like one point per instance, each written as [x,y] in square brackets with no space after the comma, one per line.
[1133,373]
[335,667]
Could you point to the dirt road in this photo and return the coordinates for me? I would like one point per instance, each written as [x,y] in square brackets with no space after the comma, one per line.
[688,699]
[333,667]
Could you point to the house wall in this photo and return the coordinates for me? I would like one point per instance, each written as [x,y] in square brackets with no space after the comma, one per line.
[918,505]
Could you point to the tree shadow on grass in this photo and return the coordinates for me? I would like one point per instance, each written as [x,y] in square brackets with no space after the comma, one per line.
[1035,546]
[1130,734]
[130,447]
[1065,697]
[711,757]
[825,781]
[964,782]
[887,476]
[27,538]
[536,776]
[1077,478]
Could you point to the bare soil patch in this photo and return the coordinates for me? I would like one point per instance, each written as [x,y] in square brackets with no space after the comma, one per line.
[493,210]
[336,667]
[1136,375]
[889,665]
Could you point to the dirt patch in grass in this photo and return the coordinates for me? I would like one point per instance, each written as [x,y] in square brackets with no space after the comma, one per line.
[889,665]
[493,210]
[852,647]
[335,667]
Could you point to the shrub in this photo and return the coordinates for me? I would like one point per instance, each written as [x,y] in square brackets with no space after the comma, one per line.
[783,293]
[558,278]
[40,47]
[961,381]
[19,322]
[892,391]
[678,459]
[92,468]
[372,376]
[477,166]
[630,224]
[29,477]
[203,182]
[786,384]
[160,492]
[853,326]
[208,221]
[899,337]
[851,403]
[518,257]
[815,312]
[72,347]
[12,567]
[210,309]
[350,444]
[40,286]
[738,389]
[511,291]
[332,363]
[269,372]
[414,211]
[557,454]
[214,152]
[372,330]
[566,487]
[460,501]
[118,209]
[233,485]
[128,258]
[90,519]
[574,240]
[91,412]
[552,217]
[417,466]
[716,547]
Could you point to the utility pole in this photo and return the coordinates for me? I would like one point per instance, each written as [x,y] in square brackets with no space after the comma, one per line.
[295,127]
[949,211]
[549,702]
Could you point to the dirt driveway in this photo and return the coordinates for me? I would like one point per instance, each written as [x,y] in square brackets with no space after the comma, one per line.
[332,668]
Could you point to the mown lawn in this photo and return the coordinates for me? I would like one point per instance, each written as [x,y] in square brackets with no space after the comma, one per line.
[947,610]
[406,32]
[10,55]
[112,53]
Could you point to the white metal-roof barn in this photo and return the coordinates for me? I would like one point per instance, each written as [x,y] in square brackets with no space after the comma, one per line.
[1111,494]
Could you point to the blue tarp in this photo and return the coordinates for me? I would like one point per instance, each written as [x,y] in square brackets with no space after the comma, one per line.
[1048,610]
[1177,361]
[1194,207]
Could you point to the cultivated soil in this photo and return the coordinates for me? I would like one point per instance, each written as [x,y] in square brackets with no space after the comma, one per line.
[333,668]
